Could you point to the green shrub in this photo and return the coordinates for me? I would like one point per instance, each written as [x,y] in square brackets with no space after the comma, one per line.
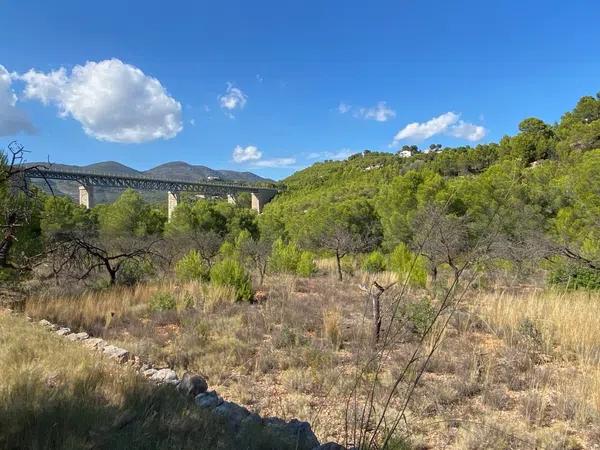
[163,301]
[229,272]
[228,250]
[402,259]
[133,272]
[420,314]
[573,276]
[285,257]
[374,262]
[306,265]
[192,267]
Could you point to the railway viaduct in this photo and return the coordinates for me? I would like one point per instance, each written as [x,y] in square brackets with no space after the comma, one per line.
[88,181]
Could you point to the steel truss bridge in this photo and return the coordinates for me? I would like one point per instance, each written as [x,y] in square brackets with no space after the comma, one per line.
[89,180]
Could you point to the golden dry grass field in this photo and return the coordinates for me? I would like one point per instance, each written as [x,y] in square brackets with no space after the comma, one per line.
[513,370]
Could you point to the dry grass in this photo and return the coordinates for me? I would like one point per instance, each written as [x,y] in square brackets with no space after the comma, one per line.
[513,371]
[55,394]
[565,324]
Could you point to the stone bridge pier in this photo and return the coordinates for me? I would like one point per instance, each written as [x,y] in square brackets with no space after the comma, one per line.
[260,199]
[86,196]
[172,200]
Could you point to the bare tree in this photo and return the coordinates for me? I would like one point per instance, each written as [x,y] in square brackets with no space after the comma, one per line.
[257,252]
[84,253]
[17,198]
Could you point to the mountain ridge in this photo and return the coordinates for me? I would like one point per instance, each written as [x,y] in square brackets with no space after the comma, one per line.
[175,170]
[179,170]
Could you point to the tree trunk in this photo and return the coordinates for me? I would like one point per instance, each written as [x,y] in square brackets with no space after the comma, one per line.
[112,272]
[375,295]
[339,265]
[4,249]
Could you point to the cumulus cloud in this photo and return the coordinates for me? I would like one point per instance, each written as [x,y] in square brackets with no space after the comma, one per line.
[275,162]
[340,154]
[381,112]
[253,156]
[448,123]
[113,101]
[233,99]
[12,119]
[468,131]
[243,154]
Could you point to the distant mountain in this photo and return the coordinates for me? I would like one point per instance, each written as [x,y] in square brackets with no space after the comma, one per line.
[176,170]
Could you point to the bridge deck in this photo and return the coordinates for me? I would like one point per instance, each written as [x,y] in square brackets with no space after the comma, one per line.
[148,183]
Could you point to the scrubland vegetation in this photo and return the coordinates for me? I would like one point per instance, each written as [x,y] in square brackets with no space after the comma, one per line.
[445,300]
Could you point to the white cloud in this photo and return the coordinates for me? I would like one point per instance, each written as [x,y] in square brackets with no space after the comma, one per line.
[448,123]
[341,154]
[253,156]
[468,131]
[380,112]
[244,154]
[193,122]
[113,101]
[233,99]
[275,162]
[259,78]
[12,119]
[343,108]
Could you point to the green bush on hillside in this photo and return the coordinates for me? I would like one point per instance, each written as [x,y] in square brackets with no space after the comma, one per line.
[285,257]
[192,267]
[133,272]
[229,272]
[306,265]
[406,264]
[374,262]
[162,301]
[576,277]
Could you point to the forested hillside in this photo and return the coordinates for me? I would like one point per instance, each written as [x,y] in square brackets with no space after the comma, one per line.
[539,190]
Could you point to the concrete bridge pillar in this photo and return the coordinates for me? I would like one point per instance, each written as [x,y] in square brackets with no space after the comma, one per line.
[86,196]
[172,200]
[231,199]
[260,199]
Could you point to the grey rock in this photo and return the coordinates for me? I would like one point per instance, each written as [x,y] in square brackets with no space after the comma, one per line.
[78,336]
[232,414]
[208,400]
[63,331]
[295,433]
[165,376]
[192,385]
[46,324]
[119,354]
[149,372]
[95,343]
[330,446]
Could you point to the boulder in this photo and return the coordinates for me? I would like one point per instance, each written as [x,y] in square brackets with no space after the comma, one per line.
[232,414]
[165,376]
[192,385]
[95,343]
[46,324]
[330,446]
[149,372]
[208,400]
[63,331]
[78,336]
[119,354]
[295,433]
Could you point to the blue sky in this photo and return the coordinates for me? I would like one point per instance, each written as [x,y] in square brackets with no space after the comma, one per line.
[274,86]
